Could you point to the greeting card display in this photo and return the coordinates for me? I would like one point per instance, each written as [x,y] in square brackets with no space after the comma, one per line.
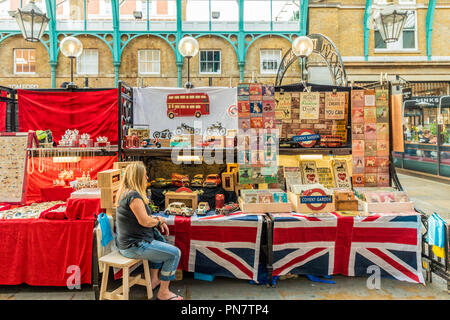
[309,105]
[309,172]
[335,105]
[341,176]
[325,177]
[370,137]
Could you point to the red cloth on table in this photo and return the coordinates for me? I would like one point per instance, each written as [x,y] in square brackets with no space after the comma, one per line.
[38,180]
[56,193]
[82,209]
[4,206]
[3,112]
[38,252]
[52,214]
[92,112]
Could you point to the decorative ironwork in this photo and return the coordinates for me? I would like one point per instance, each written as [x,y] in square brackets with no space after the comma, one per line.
[323,47]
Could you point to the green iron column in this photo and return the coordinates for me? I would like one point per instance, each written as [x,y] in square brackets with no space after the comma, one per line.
[241,42]
[367,15]
[429,25]
[178,56]
[53,42]
[116,40]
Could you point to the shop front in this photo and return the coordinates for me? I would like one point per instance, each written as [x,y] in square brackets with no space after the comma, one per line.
[426,136]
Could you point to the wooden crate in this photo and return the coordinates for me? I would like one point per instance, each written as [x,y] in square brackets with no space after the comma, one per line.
[108,197]
[109,178]
[188,198]
[228,181]
[121,165]
[276,207]
[111,212]
[304,208]
[388,207]
[345,200]
[239,187]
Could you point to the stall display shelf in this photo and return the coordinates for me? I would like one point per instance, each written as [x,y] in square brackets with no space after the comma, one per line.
[155,152]
[74,150]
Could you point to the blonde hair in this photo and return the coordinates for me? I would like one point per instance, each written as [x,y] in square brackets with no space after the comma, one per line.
[133,180]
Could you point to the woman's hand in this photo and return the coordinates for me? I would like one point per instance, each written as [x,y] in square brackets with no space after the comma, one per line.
[164,229]
[162,220]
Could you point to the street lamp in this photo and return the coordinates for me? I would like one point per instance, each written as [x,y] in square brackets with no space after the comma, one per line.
[302,47]
[72,48]
[188,48]
[390,21]
[32,21]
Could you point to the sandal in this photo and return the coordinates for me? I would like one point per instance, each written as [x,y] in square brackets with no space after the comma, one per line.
[171,298]
[156,287]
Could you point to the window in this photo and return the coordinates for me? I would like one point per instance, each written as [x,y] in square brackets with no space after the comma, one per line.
[24,61]
[269,61]
[407,39]
[149,62]
[210,61]
[87,63]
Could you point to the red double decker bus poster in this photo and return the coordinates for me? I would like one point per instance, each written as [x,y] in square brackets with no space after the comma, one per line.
[187,105]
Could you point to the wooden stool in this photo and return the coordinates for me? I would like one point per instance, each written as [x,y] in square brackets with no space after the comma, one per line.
[115,259]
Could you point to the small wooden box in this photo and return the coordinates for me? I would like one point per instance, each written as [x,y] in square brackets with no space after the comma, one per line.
[345,200]
[188,198]
[109,178]
[232,167]
[108,197]
[111,212]
[228,181]
[276,207]
[140,133]
[346,205]
[304,208]
[121,165]
[165,143]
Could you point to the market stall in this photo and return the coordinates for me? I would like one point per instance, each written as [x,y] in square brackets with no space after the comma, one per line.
[315,193]
[51,197]
[320,128]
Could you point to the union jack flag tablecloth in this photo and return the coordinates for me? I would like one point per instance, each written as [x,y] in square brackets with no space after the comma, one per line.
[218,245]
[328,244]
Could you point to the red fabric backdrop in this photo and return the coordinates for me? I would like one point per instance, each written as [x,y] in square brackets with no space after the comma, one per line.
[3,112]
[92,112]
[38,180]
[38,252]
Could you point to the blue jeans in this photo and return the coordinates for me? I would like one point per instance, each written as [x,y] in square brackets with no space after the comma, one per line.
[160,255]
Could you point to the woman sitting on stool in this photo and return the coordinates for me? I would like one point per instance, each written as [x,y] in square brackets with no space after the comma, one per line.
[137,231]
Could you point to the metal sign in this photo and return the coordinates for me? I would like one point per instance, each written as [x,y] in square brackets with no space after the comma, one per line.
[407,93]
[422,101]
